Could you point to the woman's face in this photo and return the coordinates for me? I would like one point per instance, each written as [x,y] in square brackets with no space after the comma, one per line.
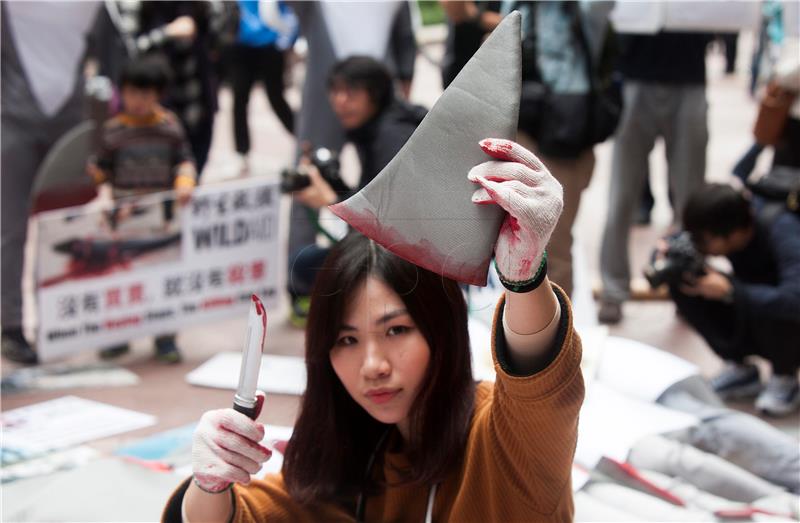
[379,355]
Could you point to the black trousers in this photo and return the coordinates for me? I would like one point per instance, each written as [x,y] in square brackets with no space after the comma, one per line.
[249,65]
[734,333]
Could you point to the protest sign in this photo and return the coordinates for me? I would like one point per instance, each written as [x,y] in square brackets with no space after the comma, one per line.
[700,16]
[150,267]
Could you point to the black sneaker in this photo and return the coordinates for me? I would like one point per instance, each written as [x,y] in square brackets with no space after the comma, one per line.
[166,349]
[737,381]
[110,353]
[16,348]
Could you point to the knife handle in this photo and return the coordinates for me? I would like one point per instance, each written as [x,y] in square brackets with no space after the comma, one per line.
[250,412]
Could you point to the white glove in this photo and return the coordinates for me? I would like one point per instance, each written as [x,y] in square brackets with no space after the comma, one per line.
[533,199]
[226,448]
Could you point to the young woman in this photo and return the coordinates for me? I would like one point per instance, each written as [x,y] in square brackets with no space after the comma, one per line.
[392,426]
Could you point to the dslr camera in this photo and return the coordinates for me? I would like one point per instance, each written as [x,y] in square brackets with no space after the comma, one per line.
[325,160]
[680,260]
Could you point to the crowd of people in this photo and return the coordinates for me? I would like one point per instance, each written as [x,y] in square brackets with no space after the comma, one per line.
[582,83]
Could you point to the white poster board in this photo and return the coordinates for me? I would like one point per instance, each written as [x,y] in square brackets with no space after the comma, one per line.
[103,280]
[640,371]
[64,422]
[277,374]
[611,424]
[711,16]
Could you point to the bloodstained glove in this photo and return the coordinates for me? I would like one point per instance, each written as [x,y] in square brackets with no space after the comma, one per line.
[533,199]
[226,448]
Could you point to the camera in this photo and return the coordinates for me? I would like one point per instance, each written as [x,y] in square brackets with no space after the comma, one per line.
[680,260]
[325,160]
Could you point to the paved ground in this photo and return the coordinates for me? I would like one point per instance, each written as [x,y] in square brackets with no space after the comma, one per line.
[163,391]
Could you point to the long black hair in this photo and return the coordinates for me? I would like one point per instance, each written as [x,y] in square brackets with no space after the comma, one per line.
[334,437]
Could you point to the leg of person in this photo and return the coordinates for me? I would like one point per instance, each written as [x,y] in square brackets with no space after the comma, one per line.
[272,73]
[744,167]
[303,269]
[731,45]
[574,176]
[200,141]
[166,349]
[634,139]
[722,328]
[23,149]
[686,137]
[243,72]
[302,235]
[646,204]
[777,342]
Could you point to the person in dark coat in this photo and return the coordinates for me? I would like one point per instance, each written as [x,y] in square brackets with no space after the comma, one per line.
[378,124]
[754,310]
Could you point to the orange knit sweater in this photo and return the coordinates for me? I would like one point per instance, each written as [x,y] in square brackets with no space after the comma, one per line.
[517,464]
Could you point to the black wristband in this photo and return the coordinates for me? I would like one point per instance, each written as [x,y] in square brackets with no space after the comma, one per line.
[527,285]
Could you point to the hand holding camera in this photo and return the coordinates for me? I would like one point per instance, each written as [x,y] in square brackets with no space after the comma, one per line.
[712,285]
[316,180]
[318,193]
[674,261]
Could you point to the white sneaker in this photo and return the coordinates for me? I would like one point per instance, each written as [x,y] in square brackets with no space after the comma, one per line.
[780,397]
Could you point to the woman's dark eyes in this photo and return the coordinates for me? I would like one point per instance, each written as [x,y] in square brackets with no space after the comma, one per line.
[397,329]
[344,341]
[394,330]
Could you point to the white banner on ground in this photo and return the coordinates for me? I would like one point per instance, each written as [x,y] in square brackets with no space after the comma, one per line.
[700,16]
[64,422]
[150,268]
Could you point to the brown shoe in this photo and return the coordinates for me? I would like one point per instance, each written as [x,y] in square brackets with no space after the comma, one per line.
[610,312]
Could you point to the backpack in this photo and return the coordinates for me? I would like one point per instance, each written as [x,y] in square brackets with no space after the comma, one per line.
[781,185]
[565,124]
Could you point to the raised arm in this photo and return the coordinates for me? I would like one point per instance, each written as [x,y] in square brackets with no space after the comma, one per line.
[525,189]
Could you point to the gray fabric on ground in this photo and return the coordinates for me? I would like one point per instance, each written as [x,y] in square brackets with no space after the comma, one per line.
[701,500]
[701,469]
[740,438]
[678,114]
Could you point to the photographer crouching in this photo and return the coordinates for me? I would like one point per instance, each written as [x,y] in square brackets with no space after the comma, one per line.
[755,311]
[378,123]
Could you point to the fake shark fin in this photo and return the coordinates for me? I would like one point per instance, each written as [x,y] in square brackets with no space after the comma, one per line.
[419,206]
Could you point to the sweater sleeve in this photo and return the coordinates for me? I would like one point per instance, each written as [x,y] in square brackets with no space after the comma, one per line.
[781,300]
[531,423]
[261,500]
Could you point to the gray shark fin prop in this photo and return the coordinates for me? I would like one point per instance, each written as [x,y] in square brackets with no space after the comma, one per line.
[419,207]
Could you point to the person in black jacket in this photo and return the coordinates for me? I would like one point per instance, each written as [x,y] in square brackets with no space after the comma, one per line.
[378,123]
[755,311]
